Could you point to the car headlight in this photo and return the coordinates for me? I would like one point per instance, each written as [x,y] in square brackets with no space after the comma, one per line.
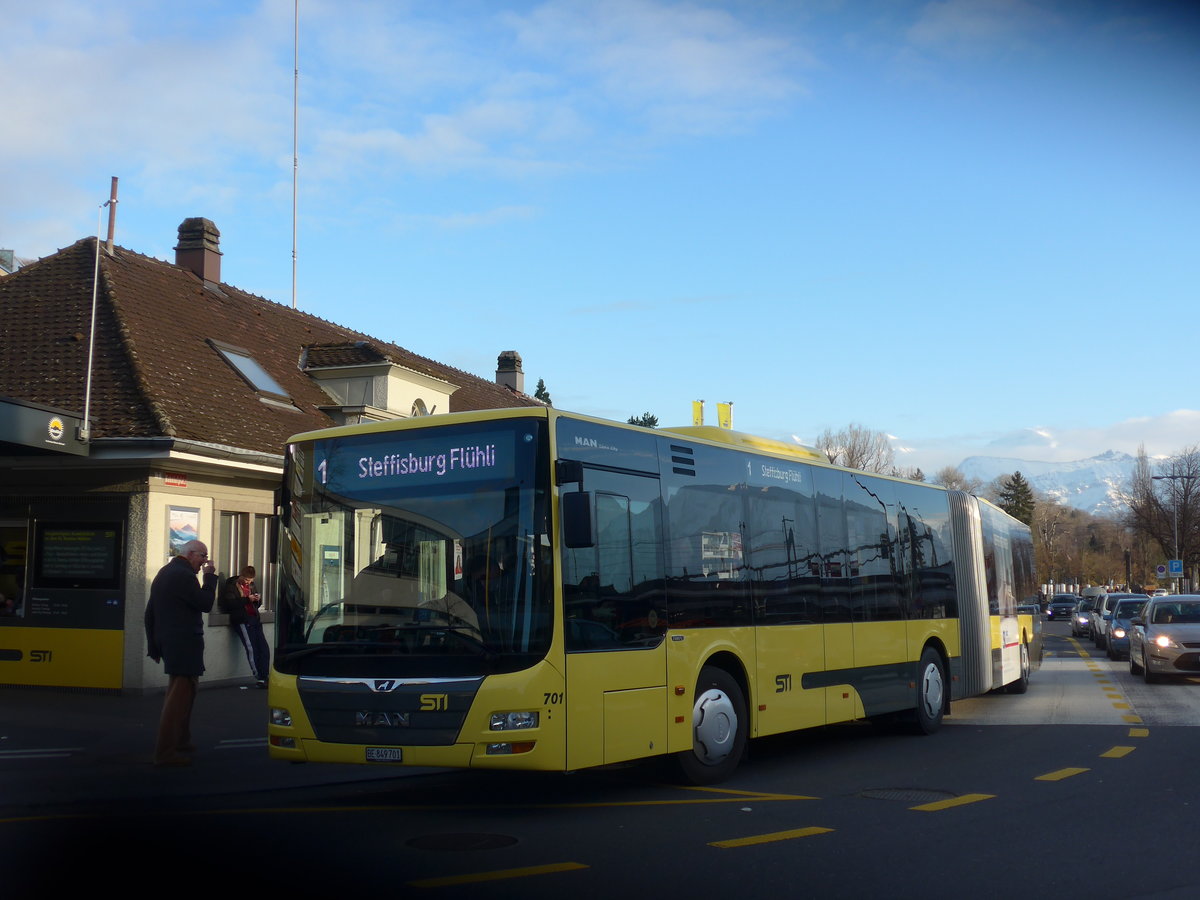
[1164,641]
[1118,632]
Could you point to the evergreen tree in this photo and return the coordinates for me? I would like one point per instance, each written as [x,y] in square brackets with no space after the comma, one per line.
[1016,498]
[645,420]
[540,393]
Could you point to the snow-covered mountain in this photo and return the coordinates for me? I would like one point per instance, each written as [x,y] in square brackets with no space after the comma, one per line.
[1092,485]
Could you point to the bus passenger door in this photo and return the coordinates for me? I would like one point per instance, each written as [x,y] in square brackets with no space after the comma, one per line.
[614,626]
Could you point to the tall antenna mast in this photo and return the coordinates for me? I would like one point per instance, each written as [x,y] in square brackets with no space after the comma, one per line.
[85,429]
[295,135]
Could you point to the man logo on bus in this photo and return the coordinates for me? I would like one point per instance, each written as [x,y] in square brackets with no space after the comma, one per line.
[382,686]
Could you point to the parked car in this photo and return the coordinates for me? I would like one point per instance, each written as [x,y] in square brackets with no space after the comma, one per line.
[1104,608]
[1118,626]
[1165,638]
[1081,618]
[1061,606]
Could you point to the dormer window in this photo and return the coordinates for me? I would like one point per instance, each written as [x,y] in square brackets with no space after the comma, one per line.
[247,366]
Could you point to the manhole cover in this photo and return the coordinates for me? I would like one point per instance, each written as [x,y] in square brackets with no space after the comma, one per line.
[456,842]
[908,795]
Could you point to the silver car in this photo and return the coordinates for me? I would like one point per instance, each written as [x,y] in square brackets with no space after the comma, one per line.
[1081,619]
[1165,638]
[1118,627]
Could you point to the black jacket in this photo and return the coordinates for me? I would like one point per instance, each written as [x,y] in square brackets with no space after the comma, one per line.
[233,603]
[174,617]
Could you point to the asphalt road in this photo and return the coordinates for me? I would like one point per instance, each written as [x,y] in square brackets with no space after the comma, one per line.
[1083,787]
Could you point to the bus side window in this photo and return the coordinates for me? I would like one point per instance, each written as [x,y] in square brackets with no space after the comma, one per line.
[782,553]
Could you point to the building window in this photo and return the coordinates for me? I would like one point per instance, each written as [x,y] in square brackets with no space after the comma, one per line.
[248,367]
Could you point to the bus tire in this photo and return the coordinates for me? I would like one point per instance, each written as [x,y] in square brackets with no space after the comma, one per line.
[931,693]
[719,728]
[1021,685]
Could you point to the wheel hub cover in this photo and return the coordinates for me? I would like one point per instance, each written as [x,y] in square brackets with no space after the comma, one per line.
[714,721]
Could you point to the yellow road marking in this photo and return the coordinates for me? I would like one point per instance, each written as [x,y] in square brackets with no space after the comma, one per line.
[1121,706]
[1060,774]
[498,875]
[1139,732]
[1116,752]
[750,795]
[1133,720]
[956,801]
[771,838]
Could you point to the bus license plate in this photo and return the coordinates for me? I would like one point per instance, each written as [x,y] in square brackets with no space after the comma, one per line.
[385,754]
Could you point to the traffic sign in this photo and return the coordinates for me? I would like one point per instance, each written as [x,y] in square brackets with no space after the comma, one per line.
[1176,567]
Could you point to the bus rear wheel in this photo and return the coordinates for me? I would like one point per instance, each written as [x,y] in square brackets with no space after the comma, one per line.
[1021,685]
[719,728]
[931,693]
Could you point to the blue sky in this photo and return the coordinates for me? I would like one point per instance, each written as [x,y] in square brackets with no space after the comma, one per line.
[971,224]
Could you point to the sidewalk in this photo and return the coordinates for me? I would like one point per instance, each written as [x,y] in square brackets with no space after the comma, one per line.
[64,748]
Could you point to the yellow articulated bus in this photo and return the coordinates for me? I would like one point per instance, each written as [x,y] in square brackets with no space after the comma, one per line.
[532,589]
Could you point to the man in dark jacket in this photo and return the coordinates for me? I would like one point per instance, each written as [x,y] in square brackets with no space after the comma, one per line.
[175,635]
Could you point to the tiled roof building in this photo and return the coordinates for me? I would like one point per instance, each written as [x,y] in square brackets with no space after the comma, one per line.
[156,371]
[195,387]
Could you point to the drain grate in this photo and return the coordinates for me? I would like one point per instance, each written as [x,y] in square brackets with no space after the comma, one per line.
[907,795]
[459,842]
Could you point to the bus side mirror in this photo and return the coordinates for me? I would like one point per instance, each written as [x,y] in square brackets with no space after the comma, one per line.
[577,520]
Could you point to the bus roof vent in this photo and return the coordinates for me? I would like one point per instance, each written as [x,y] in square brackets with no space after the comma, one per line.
[746,441]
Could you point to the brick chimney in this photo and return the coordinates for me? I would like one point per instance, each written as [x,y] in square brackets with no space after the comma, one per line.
[199,249]
[509,373]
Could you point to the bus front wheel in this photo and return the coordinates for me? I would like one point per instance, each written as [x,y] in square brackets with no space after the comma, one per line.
[719,726]
[931,692]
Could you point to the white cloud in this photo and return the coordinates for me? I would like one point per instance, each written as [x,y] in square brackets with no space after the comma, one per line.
[683,68]
[974,27]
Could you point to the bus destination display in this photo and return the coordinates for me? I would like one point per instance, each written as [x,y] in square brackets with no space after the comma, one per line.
[398,461]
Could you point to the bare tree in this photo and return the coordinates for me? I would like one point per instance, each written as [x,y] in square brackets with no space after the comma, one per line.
[1164,503]
[955,479]
[857,447]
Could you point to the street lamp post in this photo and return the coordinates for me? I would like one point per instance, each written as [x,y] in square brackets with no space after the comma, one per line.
[1174,510]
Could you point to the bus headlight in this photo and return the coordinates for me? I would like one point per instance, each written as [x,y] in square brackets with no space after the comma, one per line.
[513,721]
[280,716]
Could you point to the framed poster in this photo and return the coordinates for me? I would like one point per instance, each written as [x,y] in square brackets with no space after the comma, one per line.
[183,525]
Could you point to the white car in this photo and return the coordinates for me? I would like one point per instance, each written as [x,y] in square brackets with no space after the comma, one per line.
[1165,638]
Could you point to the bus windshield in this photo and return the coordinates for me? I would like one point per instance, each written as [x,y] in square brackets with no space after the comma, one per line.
[417,552]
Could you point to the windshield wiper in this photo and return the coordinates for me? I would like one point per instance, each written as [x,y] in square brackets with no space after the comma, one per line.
[354,648]
[458,631]
[348,647]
